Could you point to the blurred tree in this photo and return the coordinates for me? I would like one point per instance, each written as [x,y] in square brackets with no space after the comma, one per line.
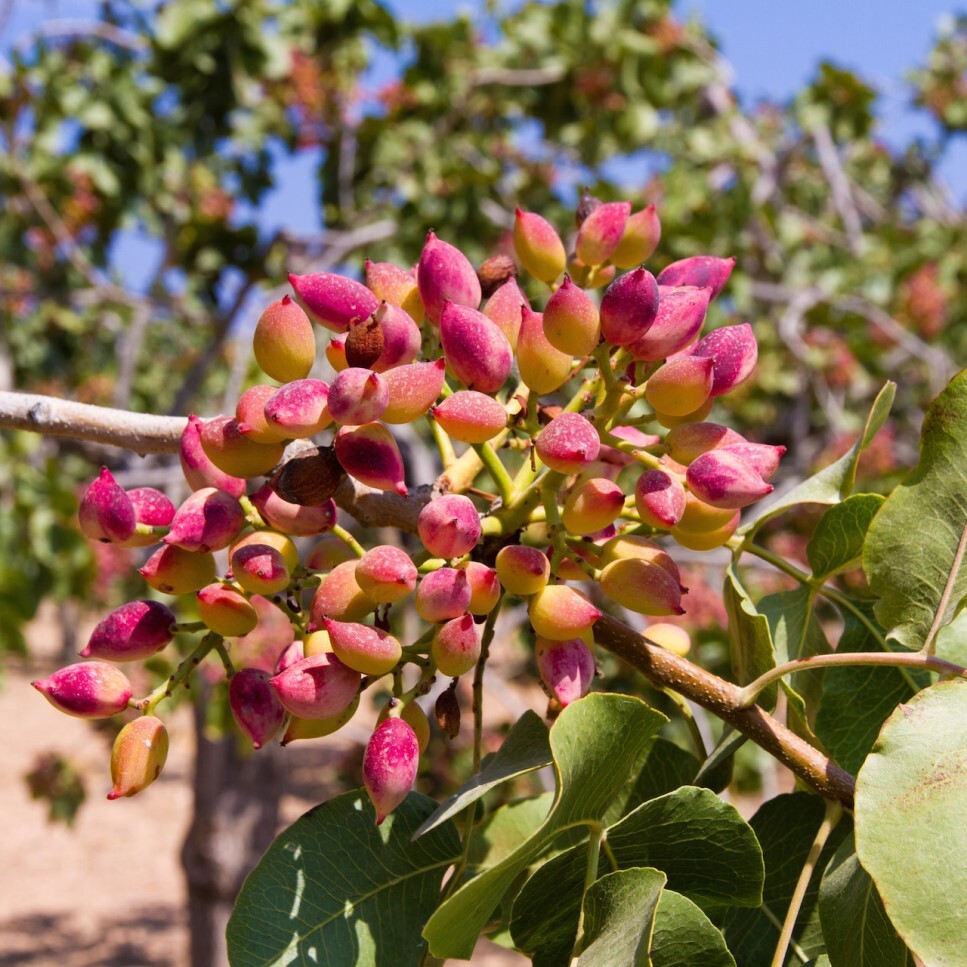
[168,128]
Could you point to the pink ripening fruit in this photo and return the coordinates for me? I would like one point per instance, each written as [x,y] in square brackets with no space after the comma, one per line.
[456,646]
[299,408]
[401,337]
[445,273]
[538,246]
[326,553]
[390,763]
[173,570]
[235,453]
[566,668]
[543,368]
[642,586]
[339,596]
[363,648]
[281,542]
[250,414]
[370,454]
[640,239]
[386,573]
[629,307]
[705,271]
[680,385]
[318,687]
[762,457]
[208,520]
[449,526]
[504,306]
[484,587]
[522,570]
[413,389]
[106,512]
[681,313]
[255,706]
[601,232]
[725,480]
[733,351]
[260,569]
[284,343]
[357,396]
[389,283]
[299,728]
[152,508]
[198,469]
[136,630]
[415,718]
[475,348]
[225,611]
[659,499]
[690,440]
[592,505]
[299,520]
[571,320]
[138,756]
[560,612]
[568,443]
[442,594]
[88,690]
[470,417]
[333,300]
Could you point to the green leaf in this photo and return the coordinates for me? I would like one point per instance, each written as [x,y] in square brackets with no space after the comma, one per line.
[619,913]
[750,642]
[716,770]
[837,541]
[525,748]
[913,540]
[708,852]
[796,633]
[506,829]
[336,888]
[666,766]
[857,931]
[595,742]
[833,483]
[684,937]
[857,699]
[786,827]
[911,800]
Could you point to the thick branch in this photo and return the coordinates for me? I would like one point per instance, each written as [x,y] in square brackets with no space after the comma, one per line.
[724,700]
[139,432]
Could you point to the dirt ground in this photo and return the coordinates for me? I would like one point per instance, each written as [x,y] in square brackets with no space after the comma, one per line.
[109,892]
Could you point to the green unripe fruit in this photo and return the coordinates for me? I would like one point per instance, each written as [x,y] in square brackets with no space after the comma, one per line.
[671,637]
[592,505]
[681,385]
[538,246]
[284,343]
[642,586]
[173,570]
[560,612]
[138,756]
[571,321]
[225,610]
[300,728]
[456,646]
[522,570]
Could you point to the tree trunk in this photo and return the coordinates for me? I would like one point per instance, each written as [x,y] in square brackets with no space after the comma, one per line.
[236,815]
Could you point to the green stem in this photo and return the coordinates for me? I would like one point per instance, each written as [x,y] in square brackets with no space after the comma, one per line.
[896,659]
[833,812]
[348,539]
[596,837]
[498,472]
[931,640]
[448,455]
[478,675]
[252,514]
[180,675]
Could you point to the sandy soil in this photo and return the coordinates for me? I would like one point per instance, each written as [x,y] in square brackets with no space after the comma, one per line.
[109,892]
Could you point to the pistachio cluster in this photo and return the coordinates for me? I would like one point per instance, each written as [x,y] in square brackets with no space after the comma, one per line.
[587,455]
